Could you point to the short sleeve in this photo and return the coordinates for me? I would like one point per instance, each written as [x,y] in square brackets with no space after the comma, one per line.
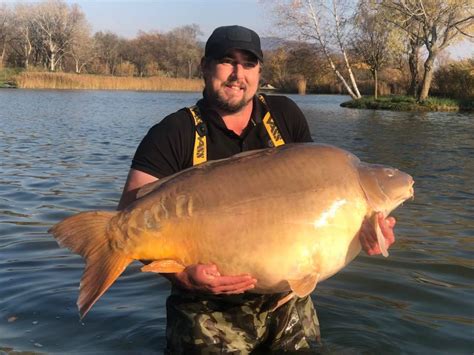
[167,147]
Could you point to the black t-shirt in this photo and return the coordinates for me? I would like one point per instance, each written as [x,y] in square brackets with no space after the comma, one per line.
[168,146]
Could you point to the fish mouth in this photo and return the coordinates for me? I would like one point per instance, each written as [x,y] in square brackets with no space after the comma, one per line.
[412,190]
[408,195]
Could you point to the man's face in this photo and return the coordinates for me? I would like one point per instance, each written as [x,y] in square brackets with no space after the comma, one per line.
[232,81]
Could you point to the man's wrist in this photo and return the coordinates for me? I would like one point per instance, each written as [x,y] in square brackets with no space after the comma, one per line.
[179,279]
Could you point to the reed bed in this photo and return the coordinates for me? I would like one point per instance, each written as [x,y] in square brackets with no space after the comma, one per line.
[44,80]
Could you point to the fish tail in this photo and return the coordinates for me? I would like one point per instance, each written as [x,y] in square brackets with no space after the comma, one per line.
[88,234]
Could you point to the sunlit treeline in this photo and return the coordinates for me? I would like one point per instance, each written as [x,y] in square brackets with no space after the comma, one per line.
[52,35]
[378,55]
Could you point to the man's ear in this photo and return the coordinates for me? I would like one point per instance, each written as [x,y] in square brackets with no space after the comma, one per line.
[205,63]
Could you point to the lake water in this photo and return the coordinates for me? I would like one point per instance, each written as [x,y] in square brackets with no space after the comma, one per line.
[64,152]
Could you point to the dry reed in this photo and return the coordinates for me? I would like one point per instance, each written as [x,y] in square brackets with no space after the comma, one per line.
[44,80]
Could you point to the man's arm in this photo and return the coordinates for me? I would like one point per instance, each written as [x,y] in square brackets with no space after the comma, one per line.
[198,277]
[135,180]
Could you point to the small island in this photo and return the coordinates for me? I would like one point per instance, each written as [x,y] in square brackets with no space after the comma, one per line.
[408,103]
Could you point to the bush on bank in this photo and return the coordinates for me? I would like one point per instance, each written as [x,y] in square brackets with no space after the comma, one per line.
[7,77]
[455,80]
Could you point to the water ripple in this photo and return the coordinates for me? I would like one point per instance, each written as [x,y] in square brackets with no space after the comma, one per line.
[69,151]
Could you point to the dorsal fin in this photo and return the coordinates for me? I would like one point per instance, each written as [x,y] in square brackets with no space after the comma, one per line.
[146,189]
[152,186]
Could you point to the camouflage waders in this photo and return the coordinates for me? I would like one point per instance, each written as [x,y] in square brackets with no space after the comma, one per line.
[207,324]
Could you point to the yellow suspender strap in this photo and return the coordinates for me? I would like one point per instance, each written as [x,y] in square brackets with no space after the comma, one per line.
[270,125]
[200,143]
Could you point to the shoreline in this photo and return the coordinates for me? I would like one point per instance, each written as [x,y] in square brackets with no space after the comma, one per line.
[72,81]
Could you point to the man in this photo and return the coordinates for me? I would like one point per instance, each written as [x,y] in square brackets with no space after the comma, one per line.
[209,312]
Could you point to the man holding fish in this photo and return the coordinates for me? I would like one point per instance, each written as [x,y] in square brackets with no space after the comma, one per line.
[207,311]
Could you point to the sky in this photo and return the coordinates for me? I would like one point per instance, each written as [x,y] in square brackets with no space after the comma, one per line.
[127,17]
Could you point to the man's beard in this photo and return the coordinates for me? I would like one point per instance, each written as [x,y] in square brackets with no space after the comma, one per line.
[217,100]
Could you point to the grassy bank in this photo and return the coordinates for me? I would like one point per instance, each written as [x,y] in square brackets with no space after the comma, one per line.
[406,103]
[45,80]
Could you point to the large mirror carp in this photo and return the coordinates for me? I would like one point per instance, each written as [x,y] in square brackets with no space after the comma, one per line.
[289,216]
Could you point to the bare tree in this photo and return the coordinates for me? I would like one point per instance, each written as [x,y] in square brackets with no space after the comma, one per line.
[295,65]
[325,23]
[276,66]
[436,23]
[108,47]
[6,27]
[81,48]
[182,51]
[24,32]
[413,47]
[57,23]
[140,50]
[373,39]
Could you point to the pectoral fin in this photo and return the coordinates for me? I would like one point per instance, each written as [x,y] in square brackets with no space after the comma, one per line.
[304,286]
[164,266]
[282,301]
[380,237]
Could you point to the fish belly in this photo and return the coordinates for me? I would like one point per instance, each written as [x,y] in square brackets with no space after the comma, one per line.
[278,218]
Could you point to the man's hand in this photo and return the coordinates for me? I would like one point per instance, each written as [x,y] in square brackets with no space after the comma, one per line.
[206,278]
[368,237]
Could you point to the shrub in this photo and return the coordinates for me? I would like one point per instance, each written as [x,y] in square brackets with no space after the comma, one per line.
[455,80]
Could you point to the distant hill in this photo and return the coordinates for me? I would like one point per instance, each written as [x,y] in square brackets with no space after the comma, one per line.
[272,43]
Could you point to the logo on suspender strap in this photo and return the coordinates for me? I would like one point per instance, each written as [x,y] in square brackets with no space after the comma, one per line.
[200,142]
[270,125]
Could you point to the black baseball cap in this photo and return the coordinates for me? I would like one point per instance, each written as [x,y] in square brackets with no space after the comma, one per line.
[226,38]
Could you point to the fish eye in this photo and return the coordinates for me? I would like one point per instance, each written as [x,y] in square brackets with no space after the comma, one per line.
[389,172]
